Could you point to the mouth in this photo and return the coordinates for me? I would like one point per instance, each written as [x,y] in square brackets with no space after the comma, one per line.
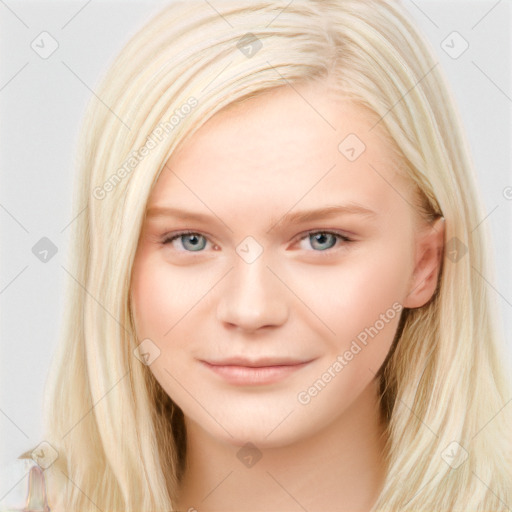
[241,371]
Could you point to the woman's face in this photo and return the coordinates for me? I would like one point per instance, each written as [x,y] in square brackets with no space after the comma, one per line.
[273,316]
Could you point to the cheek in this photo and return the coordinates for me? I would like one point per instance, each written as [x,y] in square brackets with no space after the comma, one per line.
[360,300]
[165,297]
[375,279]
[158,298]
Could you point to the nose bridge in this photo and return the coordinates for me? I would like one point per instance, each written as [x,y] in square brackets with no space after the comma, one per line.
[252,296]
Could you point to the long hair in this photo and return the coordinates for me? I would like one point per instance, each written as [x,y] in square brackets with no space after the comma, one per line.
[120,439]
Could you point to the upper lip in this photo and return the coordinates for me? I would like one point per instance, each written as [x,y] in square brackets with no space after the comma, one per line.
[255,363]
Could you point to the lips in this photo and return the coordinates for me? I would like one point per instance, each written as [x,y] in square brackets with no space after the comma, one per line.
[257,363]
[240,371]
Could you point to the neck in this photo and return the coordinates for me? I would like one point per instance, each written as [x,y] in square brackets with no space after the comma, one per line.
[339,468]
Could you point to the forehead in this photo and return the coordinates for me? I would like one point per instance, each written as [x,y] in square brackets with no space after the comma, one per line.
[291,144]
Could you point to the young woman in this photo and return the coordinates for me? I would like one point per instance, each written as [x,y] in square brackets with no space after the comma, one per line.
[278,300]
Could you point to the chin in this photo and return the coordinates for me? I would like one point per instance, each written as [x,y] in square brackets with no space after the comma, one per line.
[255,431]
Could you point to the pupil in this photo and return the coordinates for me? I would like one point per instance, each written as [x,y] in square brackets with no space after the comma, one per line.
[192,241]
[321,237]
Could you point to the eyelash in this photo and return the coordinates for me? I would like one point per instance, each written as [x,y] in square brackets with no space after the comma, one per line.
[339,236]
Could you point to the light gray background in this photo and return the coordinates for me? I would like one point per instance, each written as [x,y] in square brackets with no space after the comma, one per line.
[41,106]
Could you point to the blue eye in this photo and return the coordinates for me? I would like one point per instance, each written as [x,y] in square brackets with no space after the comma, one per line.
[190,241]
[325,239]
[321,241]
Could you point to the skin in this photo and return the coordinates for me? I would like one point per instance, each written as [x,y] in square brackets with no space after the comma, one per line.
[303,297]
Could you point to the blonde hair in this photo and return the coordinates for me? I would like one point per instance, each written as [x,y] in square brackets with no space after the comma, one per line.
[120,439]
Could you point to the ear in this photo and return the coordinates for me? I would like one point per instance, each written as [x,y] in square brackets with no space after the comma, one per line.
[427,265]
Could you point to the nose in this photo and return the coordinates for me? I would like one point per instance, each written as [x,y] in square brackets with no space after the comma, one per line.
[252,297]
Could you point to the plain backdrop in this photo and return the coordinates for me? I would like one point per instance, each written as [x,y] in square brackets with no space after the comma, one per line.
[42,101]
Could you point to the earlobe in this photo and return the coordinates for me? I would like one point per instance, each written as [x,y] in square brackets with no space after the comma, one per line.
[428,261]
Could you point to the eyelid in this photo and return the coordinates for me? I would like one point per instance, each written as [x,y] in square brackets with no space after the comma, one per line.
[340,236]
[169,237]
[335,232]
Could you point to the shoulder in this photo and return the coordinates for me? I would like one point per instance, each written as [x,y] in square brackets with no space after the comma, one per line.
[44,482]
[26,483]
[42,485]
[32,487]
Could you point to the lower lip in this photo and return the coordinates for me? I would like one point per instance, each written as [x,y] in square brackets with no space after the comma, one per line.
[247,375]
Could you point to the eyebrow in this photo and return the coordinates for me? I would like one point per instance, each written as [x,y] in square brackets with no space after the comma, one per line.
[288,218]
